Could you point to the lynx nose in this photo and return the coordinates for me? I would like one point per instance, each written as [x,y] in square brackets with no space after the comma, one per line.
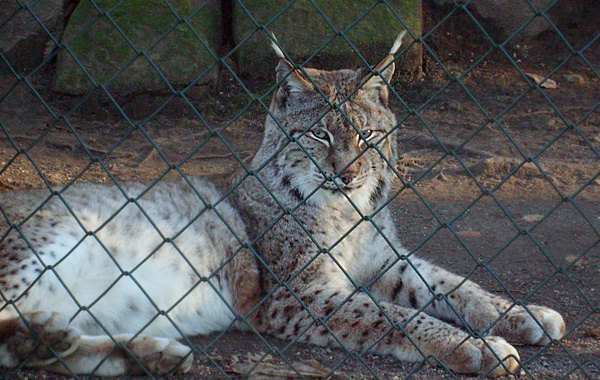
[350,173]
[347,177]
[339,158]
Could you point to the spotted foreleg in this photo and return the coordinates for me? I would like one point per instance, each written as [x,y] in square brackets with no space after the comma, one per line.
[419,284]
[358,323]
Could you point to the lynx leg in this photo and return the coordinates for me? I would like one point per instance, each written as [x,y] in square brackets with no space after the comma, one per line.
[38,339]
[535,325]
[360,324]
[468,302]
[100,356]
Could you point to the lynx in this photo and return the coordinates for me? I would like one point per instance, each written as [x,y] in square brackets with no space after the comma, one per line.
[104,279]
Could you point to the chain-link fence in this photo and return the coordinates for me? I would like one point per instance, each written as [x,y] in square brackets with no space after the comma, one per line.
[497,177]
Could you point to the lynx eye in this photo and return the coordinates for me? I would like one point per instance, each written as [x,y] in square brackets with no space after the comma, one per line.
[319,134]
[367,134]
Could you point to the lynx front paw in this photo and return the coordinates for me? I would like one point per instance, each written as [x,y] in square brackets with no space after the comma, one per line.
[497,349]
[494,357]
[45,336]
[538,328]
[159,356]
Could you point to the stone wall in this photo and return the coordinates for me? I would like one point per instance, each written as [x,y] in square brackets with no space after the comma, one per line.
[23,39]
[509,16]
[140,46]
[146,45]
[305,31]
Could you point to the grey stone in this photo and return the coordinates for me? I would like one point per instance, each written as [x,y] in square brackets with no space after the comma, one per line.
[547,123]
[22,38]
[303,31]
[574,78]
[510,15]
[149,51]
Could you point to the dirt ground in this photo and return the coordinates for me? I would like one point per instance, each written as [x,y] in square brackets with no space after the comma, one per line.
[534,223]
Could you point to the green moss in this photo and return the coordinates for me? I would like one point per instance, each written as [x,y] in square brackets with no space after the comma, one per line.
[306,31]
[113,44]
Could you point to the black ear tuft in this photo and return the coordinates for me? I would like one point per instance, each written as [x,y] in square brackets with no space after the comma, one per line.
[376,83]
[292,79]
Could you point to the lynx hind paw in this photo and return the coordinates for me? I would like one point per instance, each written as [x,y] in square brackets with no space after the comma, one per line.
[54,337]
[159,356]
[520,326]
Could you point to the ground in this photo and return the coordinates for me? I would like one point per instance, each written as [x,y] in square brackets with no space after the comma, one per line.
[534,224]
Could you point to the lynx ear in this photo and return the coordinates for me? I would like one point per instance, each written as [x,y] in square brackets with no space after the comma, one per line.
[292,79]
[287,76]
[376,83]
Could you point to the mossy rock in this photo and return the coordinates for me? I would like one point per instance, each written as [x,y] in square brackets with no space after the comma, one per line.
[307,32]
[104,40]
[23,41]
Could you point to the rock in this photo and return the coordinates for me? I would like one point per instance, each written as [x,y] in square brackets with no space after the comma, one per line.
[23,39]
[470,234]
[153,29]
[593,333]
[303,32]
[500,167]
[509,15]
[547,123]
[533,217]
[574,78]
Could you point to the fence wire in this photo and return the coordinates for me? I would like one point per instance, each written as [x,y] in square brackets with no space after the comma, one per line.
[574,362]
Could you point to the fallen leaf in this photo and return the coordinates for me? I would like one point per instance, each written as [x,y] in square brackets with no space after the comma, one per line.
[548,83]
[533,217]
[441,177]
[261,367]
[470,234]
[578,264]
[570,258]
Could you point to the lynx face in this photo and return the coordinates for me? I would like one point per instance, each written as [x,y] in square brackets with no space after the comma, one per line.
[332,134]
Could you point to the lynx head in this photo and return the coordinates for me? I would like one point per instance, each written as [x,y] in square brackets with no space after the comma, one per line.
[329,135]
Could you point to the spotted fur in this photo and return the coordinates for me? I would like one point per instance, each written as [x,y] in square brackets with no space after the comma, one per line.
[303,249]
